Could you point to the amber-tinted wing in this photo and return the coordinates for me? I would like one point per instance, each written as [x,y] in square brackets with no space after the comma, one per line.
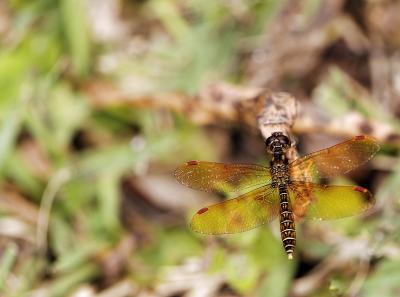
[240,214]
[219,177]
[323,202]
[336,160]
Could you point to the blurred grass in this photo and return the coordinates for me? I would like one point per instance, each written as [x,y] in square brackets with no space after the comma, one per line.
[48,55]
[6,263]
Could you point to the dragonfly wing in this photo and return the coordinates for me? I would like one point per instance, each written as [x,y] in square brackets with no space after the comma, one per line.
[240,214]
[323,202]
[219,177]
[336,160]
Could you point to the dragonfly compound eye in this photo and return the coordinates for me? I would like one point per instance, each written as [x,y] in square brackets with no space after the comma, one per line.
[284,140]
[271,142]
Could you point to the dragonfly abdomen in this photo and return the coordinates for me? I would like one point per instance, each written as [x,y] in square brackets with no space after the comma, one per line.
[288,231]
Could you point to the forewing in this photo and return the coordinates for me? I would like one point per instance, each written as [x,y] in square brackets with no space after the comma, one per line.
[336,160]
[323,202]
[240,214]
[219,177]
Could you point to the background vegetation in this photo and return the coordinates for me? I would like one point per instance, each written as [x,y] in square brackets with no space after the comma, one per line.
[99,103]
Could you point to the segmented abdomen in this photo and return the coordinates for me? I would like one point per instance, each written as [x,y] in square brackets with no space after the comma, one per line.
[288,231]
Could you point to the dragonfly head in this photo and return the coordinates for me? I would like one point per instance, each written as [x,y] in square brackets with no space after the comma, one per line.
[277,143]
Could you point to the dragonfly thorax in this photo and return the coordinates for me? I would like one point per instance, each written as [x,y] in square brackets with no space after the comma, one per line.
[277,144]
[279,173]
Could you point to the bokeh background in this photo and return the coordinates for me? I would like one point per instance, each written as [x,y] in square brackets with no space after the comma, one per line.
[101,99]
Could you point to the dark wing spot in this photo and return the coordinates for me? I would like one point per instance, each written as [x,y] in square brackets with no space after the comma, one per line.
[237,220]
[203,210]
[192,163]
[368,196]
[360,189]
[360,137]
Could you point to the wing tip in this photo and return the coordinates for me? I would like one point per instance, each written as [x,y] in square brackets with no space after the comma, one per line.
[204,228]
[203,210]
[360,189]
[179,170]
[368,138]
[375,146]
[361,137]
[364,137]
[368,197]
[192,162]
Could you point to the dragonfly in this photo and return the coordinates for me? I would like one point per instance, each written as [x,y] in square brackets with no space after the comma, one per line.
[291,191]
